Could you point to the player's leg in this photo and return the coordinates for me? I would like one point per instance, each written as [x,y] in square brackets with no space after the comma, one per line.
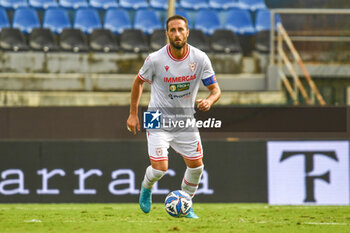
[158,154]
[154,172]
[192,176]
[189,146]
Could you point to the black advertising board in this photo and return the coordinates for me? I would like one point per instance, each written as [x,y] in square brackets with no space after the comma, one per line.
[111,171]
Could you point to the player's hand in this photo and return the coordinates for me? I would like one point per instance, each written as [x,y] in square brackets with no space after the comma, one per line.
[203,104]
[133,124]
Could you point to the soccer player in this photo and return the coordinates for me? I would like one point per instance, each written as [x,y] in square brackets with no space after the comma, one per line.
[174,72]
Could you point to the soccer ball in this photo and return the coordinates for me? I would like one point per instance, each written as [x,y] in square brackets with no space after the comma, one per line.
[178,203]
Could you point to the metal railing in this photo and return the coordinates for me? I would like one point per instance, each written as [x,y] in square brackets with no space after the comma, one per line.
[282,36]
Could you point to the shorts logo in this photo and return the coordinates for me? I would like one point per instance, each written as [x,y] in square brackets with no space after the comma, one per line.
[159,151]
[179,87]
[193,66]
[152,119]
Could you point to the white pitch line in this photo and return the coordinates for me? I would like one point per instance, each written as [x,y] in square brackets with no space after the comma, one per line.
[326,223]
[33,220]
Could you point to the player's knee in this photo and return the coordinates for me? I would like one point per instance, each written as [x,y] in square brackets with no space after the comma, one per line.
[161,165]
[158,174]
[196,170]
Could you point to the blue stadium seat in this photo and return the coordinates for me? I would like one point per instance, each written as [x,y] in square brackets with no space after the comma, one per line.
[42,4]
[223,4]
[56,19]
[184,14]
[87,19]
[103,4]
[25,19]
[263,22]
[13,4]
[159,4]
[207,21]
[252,5]
[4,20]
[194,4]
[117,20]
[73,4]
[133,4]
[240,22]
[147,21]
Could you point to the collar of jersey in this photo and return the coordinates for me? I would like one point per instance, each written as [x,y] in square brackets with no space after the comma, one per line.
[181,59]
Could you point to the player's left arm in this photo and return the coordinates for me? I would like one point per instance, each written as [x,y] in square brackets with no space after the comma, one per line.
[214,96]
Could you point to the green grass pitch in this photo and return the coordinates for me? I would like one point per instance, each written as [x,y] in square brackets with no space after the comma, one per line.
[219,218]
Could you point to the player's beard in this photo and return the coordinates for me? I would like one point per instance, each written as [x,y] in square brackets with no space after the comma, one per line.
[177,46]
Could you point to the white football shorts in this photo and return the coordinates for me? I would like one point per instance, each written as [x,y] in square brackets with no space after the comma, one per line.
[187,144]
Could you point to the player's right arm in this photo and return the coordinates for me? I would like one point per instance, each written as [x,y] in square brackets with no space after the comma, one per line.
[133,122]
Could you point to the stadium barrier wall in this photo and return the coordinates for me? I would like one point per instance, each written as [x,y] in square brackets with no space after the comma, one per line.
[275,172]
[112,171]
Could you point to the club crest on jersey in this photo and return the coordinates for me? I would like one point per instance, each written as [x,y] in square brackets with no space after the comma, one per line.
[166,68]
[159,151]
[193,66]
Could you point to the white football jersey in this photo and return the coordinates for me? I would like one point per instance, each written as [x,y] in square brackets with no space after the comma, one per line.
[175,82]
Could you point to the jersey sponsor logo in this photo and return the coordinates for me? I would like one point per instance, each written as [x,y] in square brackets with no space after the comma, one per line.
[166,68]
[173,96]
[180,78]
[179,87]
[193,66]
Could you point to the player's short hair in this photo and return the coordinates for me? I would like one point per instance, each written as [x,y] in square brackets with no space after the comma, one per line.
[174,17]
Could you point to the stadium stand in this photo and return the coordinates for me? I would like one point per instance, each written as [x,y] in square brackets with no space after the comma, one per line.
[42,4]
[194,4]
[159,4]
[183,13]
[117,20]
[25,19]
[134,40]
[73,40]
[223,4]
[207,20]
[12,39]
[42,39]
[73,4]
[133,4]
[225,41]
[262,21]
[87,19]
[13,4]
[157,39]
[56,19]
[252,5]
[4,20]
[103,40]
[198,39]
[147,21]
[240,22]
[103,4]
[263,28]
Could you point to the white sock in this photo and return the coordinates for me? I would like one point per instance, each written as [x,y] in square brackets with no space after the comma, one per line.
[151,176]
[191,180]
